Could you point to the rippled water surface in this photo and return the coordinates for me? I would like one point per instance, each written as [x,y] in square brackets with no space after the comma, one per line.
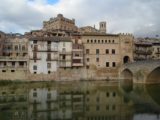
[79,101]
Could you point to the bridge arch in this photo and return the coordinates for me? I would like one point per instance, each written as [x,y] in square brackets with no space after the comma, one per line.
[154,76]
[127,74]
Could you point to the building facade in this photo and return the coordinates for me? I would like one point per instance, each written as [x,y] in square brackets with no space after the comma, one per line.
[14,54]
[60,23]
[156,50]
[43,55]
[107,50]
[65,53]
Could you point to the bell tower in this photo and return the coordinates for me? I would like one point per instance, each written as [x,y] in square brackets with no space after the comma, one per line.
[102,27]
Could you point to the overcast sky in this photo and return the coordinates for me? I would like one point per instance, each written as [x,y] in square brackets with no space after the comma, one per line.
[139,17]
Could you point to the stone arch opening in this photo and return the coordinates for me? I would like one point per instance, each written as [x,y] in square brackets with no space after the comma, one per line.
[126,59]
[127,74]
[154,76]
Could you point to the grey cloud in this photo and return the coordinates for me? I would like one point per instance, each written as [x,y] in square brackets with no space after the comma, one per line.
[140,17]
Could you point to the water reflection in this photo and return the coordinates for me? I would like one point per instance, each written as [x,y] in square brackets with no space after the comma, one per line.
[79,101]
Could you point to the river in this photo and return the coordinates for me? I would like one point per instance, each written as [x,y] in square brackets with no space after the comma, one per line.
[79,101]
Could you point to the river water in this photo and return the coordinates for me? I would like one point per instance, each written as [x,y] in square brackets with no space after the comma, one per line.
[79,101]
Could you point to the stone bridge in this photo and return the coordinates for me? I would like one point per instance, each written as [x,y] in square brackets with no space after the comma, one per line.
[147,71]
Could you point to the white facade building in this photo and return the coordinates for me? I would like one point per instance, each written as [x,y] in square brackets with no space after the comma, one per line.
[43,55]
[47,54]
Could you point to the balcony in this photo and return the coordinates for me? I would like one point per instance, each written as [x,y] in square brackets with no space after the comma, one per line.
[52,59]
[14,67]
[11,58]
[144,52]
[35,58]
[65,52]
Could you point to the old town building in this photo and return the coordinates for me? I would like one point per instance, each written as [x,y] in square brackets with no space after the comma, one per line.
[14,54]
[60,23]
[43,54]
[47,54]
[60,46]
[77,52]
[107,50]
[142,51]
[156,50]
[146,49]
[65,53]
[2,38]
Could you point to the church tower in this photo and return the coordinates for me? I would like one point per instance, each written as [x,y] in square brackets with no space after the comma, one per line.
[102,27]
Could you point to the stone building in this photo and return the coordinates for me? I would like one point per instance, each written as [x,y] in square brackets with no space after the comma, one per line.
[143,51]
[60,23]
[156,50]
[90,29]
[2,38]
[14,55]
[77,52]
[107,51]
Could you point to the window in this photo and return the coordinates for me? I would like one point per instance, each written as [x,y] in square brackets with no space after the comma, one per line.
[112,41]
[95,41]
[23,48]
[13,63]
[5,63]
[98,41]
[87,41]
[107,51]
[97,99]
[3,70]
[21,63]
[35,41]
[113,107]
[63,57]
[107,94]
[12,70]
[113,51]
[34,94]
[48,65]
[87,66]
[97,59]
[49,72]
[34,67]
[102,41]
[97,51]
[97,108]
[114,94]
[87,59]
[35,72]
[49,56]
[107,64]
[16,47]
[113,64]
[91,41]
[109,41]
[87,51]
[48,42]
[49,95]
[107,107]
[105,41]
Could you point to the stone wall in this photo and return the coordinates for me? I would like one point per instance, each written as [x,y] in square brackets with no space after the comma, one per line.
[63,75]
